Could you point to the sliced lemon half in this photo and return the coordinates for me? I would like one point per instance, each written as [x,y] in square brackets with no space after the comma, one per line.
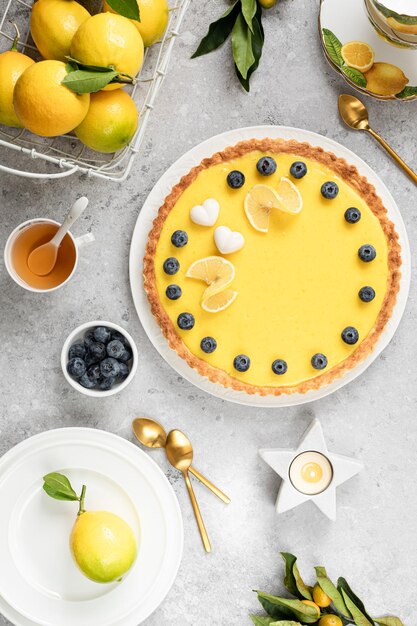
[359,55]
[289,197]
[258,204]
[218,301]
[216,271]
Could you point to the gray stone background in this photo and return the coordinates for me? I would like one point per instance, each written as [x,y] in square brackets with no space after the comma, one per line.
[373,542]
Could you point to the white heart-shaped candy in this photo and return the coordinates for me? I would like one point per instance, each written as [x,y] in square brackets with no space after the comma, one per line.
[228,241]
[205,214]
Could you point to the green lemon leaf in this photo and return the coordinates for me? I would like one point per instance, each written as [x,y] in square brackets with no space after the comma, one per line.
[259,620]
[242,46]
[343,586]
[330,589]
[257,45]
[355,76]
[293,581]
[407,92]
[83,66]
[307,614]
[389,620]
[218,31]
[59,487]
[358,617]
[286,623]
[86,81]
[127,8]
[274,610]
[248,11]
[333,46]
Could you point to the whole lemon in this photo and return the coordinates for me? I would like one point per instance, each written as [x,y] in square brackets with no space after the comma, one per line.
[330,620]
[267,4]
[109,39]
[310,603]
[53,24]
[153,19]
[103,545]
[110,123]
[321,598]
[12,65]
[45,106]
[385,79]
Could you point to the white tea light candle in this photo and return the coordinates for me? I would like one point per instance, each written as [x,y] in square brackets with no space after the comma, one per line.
[311,472]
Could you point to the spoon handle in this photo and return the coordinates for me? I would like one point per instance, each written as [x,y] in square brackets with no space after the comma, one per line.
[394,155]
[76,210]
[207,483]
[200,523]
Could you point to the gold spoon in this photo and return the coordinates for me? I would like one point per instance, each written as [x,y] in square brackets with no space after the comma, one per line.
[180,455]
[355,114]
[152,435]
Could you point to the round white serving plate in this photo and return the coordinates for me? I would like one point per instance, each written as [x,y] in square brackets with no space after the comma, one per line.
[39,581]
[155,200]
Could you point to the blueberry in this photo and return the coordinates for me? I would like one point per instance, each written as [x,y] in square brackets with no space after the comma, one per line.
[89,338]
[352,215]
[77,349]
[350,335]
[171,266]
[319,361]
[185,321]
[105,384]
[367,294]
[87,382]
[266,166]
[76,367]
[279,367]
[124,371]
[179,238]
[93,372]
[367,253]
[116,335]
[208,344]
[173,292]
[97,350]
[90,359]
[329,190]
[109,367]
[102,334]
[298,169]
[235,179]
[115,348]
[125,356]
[241,363]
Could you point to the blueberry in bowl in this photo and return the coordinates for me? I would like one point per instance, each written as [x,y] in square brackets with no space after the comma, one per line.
[99,358]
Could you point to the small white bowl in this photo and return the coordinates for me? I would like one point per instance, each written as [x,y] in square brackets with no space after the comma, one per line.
[78,335]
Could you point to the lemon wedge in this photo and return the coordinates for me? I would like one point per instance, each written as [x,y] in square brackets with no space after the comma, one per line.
[289,197]
[258,204]
[359,55]
[218,301]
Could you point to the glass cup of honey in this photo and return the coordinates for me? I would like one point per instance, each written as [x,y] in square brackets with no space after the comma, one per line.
[29,236]
[394,20]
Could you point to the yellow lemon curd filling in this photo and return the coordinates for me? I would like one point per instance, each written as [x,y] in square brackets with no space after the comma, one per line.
[297,284]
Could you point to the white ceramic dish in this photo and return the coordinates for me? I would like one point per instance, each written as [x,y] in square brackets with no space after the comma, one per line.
[77,335]
[39,582]
[150,210]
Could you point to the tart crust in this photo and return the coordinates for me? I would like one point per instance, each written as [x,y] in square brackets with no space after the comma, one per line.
[351,176]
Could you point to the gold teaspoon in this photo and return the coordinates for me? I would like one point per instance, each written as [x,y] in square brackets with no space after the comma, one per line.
[355,114]
[152,435]
[180,455]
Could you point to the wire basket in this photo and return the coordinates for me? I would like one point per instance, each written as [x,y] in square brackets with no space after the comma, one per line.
[67,151]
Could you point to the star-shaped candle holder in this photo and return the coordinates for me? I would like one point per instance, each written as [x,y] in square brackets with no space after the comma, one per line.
[310,472]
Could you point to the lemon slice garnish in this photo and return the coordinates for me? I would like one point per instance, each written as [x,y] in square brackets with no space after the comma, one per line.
[359,55]
[218,301]
[258,204]
[289,197]
[216,271]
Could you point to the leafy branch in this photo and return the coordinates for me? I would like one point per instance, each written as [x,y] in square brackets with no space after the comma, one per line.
[58,486]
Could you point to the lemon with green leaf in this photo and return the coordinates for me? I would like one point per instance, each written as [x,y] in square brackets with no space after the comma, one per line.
[102,543]
[153,19]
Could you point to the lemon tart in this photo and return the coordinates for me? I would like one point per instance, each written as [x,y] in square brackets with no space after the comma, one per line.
[272,267]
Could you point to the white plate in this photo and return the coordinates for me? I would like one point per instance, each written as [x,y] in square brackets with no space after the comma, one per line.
[156,199]
[39,582]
